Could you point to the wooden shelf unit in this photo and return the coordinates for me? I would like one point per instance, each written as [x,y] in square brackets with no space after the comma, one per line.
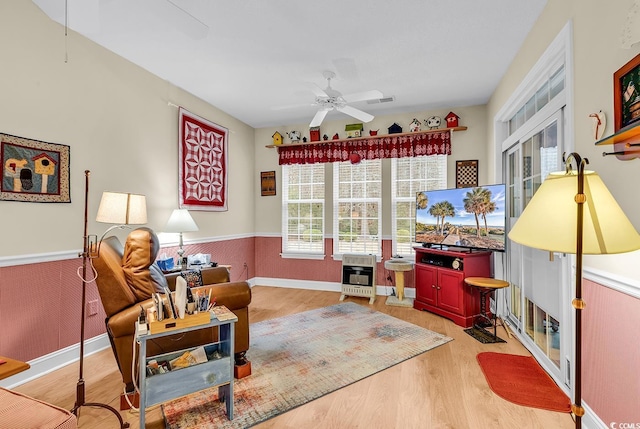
[623,135]
[379,137]
[626,142]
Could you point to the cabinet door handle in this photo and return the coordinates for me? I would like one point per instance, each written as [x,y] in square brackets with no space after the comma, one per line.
[434,286]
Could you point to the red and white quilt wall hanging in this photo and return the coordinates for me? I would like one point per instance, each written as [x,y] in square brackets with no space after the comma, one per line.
[203,163]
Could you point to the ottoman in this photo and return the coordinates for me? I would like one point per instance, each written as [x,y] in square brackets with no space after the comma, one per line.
[18,411]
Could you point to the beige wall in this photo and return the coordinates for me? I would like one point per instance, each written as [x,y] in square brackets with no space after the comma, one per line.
[597,54]
[116,118]
[469,144]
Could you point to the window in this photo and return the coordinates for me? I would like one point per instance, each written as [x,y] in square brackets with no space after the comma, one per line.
[409,176]
[303,209]
[357,205]
[547,91]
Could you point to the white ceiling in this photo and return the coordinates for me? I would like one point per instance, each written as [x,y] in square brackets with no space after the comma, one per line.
[248,57]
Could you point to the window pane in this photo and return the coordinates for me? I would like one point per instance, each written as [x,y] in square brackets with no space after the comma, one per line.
[542,96]
[357,205]
[557,82]
[303,208]
[409,176]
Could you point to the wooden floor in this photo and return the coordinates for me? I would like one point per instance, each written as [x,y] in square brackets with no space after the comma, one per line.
[442,388]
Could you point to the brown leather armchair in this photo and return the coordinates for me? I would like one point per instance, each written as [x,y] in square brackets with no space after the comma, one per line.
[127,278]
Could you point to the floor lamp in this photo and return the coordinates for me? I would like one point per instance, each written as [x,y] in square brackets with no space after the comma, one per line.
[123,209]
[573,212]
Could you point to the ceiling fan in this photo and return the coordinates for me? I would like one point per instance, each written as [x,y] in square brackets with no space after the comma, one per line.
[329,99]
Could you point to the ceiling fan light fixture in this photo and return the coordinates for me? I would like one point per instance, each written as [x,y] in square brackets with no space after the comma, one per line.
[331,99]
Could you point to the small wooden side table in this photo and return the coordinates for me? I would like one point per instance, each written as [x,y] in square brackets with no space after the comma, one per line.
[487,287]
[11,367]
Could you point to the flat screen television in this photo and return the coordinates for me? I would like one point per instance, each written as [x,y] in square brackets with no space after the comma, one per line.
[472,218]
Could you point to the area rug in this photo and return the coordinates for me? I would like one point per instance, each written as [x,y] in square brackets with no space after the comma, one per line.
[521,380]
[301,357]
[483,336]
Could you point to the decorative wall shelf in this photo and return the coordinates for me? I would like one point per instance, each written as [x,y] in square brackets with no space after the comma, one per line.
[626,142]
[378,137]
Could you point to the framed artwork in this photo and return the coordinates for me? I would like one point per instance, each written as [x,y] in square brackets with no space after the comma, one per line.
[466,173]
[203,163]
[267,183]
[34,171]
[626,94]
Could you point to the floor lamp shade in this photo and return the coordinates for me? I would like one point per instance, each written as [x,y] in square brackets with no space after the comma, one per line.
[122,209]
[574,212]
[549,222]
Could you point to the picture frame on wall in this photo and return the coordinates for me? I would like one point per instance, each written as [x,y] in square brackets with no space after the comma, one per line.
[626,94]
[203,163]
[34,171]
[467,173]
[267,183]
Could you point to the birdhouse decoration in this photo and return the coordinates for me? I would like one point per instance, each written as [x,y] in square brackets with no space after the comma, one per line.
[452,120]
[433,122]
[46,166]
[314,134]
[294,136]
[277,138]
[395,129]
[353,130]
[414,125]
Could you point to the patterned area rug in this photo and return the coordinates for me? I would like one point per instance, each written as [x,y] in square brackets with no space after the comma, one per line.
[301,357]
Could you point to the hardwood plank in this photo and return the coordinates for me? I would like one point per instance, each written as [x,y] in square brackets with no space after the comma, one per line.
[442,388]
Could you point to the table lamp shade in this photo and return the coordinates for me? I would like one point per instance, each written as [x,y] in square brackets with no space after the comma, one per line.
[122,208]
[549,222]
[181,221]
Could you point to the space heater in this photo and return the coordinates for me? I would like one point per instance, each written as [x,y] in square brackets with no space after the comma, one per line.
[359,276]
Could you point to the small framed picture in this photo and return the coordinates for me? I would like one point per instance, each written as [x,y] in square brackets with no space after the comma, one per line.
[267,183]
[467,173]
[626,94]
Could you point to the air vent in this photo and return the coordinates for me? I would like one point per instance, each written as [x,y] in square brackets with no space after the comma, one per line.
[381,100]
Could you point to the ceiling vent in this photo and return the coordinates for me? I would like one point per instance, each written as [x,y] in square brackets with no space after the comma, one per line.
[381,100]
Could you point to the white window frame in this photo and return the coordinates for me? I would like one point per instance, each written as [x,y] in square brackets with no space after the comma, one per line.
[318,172]
[559,53]
[337,200]
[418,180]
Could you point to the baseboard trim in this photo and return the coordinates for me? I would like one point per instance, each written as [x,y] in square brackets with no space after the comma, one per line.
[322,286]
[56,360]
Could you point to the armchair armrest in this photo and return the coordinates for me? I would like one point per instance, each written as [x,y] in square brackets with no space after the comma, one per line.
[210,275]
[124,323]
[234,296]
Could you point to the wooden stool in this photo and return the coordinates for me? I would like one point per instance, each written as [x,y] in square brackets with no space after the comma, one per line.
[487,287]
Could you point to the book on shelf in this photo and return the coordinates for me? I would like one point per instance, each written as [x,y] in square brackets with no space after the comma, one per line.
[222,313]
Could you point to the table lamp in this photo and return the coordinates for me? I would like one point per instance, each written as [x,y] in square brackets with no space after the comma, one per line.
[181,221]
[573,212]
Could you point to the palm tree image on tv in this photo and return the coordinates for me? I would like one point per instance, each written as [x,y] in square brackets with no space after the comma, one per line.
[466,217]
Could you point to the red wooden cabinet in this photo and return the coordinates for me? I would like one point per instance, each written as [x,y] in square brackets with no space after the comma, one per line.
[440,286]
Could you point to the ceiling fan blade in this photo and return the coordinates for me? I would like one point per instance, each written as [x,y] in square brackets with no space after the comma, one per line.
[318,118]
[362,96]
[356,113]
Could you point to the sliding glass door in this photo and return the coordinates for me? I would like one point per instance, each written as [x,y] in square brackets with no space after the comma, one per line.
[535,293]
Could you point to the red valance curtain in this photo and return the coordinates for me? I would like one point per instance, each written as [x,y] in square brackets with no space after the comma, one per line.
[389,146]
